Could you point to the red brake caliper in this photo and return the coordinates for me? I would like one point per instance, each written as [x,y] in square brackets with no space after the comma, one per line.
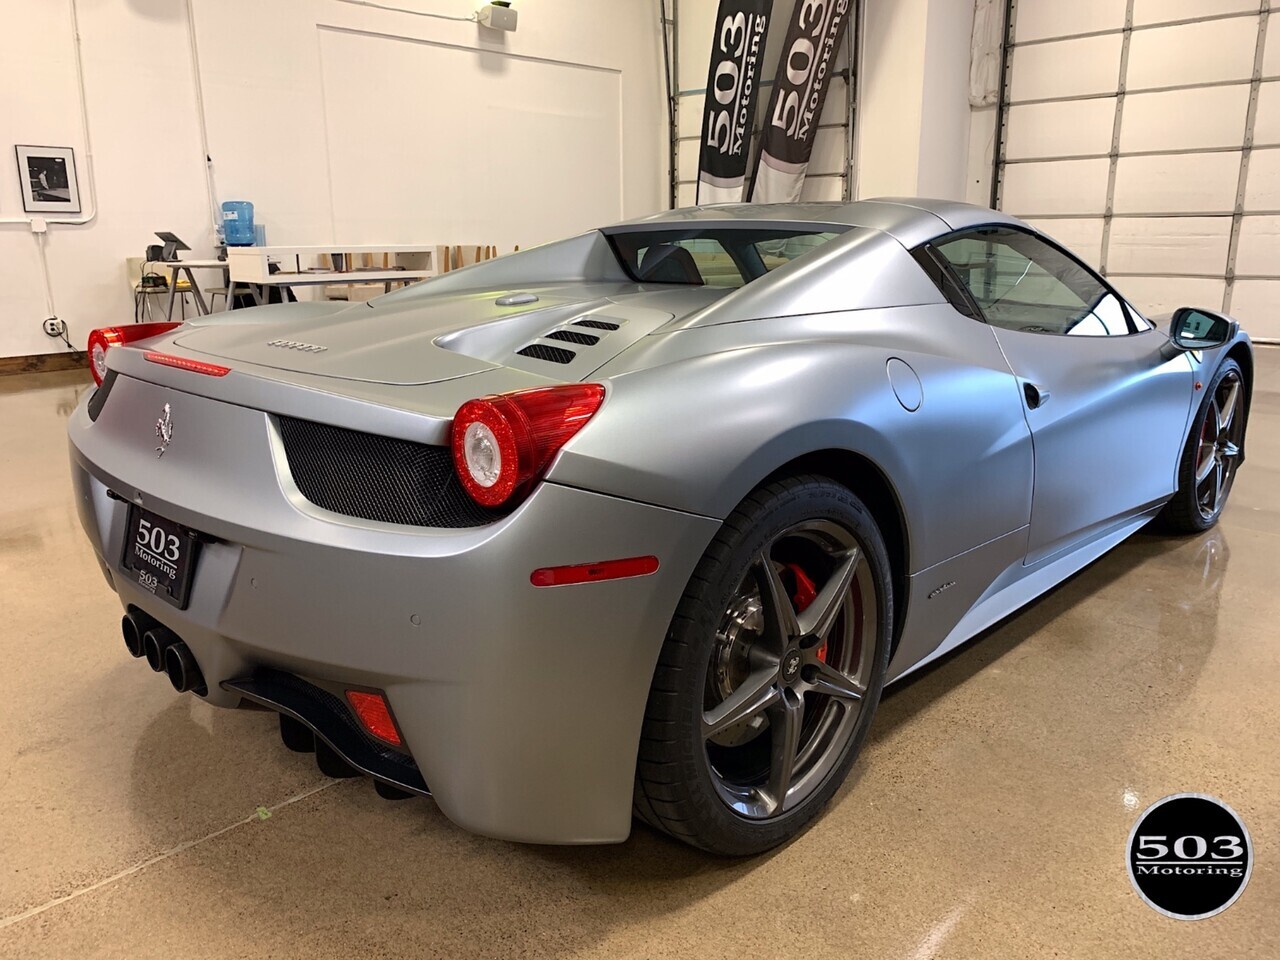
[805,594]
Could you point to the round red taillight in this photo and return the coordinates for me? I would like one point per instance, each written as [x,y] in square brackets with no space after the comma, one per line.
[489,438]
[501,443]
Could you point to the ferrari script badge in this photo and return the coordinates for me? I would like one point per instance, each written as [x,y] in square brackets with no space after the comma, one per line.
[297,345]
[164,431]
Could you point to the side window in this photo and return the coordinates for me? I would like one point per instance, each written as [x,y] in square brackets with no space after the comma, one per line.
[1022,283]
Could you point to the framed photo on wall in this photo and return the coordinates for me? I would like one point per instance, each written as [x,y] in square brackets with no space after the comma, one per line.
[48,179]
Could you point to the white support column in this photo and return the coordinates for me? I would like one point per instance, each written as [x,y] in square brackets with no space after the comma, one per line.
[913,137]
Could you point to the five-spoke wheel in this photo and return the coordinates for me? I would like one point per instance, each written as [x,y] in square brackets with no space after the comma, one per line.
[786,683]
[1219,449]
[771,671]
[1213,453]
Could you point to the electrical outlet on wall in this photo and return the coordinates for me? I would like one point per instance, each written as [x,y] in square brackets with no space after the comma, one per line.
[53,327]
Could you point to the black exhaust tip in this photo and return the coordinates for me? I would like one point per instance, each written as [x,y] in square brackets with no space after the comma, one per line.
[155,642]
[133,625]
[184,673]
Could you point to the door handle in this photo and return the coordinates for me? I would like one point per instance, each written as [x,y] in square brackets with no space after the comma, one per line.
[1037,396]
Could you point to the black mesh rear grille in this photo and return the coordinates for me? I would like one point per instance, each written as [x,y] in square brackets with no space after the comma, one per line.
[572,336]
[596,324]
[540,351]
[378,478]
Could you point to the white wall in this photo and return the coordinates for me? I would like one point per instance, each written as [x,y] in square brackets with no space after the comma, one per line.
[366,125]
[342,123]
[146,155]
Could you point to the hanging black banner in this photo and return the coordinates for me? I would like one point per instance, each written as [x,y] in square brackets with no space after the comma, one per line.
[799,91]
[737,47]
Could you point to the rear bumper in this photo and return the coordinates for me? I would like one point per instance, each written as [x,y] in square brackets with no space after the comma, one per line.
[521,706]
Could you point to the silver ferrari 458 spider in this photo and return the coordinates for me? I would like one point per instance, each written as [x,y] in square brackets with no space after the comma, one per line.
[641,521]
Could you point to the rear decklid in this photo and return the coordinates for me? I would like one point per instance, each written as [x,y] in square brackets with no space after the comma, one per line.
[565,334]
[354,341]
[560,333]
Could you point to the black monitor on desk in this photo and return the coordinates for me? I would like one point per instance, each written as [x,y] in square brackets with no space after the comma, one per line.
[172,244]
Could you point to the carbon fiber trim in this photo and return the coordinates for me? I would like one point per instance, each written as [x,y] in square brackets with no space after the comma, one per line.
[378,478]
[330,719]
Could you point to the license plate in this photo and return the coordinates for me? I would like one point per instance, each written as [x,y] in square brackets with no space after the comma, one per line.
[161,555]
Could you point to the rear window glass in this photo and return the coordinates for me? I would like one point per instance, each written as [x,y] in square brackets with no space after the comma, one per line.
[710,256]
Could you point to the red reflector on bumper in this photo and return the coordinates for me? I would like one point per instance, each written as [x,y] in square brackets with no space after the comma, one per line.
[591,572]
[375,715]
[182,363]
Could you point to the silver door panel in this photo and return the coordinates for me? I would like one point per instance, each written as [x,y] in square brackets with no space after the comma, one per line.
[1108,436]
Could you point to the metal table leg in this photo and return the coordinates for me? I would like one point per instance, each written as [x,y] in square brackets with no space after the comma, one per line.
[173,289]
[202,308]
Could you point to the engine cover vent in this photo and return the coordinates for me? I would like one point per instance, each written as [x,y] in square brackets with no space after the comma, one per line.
[596,324]
[540,351]
[572,336]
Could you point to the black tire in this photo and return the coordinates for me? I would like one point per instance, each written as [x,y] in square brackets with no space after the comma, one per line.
[1186,512]
[678,788]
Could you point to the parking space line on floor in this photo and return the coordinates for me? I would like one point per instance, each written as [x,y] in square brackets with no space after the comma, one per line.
[163,855]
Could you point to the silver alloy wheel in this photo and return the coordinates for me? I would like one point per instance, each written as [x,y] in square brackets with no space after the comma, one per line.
[786,680]
[1219,449]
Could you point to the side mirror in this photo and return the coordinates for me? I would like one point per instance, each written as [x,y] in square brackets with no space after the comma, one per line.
[1196,329]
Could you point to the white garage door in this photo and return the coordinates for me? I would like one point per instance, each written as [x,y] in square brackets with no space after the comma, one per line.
[1145,134]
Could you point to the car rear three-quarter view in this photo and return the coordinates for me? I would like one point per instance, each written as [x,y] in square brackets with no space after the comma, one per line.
[640,522]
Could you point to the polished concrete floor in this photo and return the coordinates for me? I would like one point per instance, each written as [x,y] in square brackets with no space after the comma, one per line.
[987,817]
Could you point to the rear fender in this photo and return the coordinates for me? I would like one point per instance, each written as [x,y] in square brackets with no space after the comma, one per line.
[960,464]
